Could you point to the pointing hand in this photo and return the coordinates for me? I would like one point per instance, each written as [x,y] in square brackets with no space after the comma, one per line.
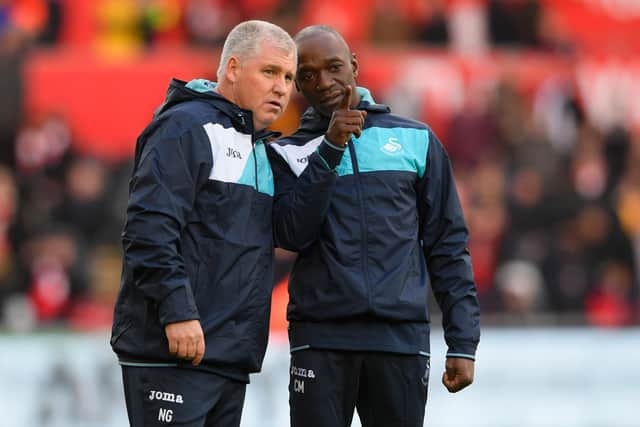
[345,122]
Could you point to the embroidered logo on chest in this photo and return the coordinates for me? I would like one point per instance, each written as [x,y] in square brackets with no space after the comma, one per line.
[391,147]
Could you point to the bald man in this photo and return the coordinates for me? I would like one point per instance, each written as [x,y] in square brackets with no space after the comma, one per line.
[368,200]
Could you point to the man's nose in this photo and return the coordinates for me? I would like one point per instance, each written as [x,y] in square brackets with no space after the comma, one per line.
[324,81]
[280,87]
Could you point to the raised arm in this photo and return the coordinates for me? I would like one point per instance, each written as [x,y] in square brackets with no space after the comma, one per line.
[301,202]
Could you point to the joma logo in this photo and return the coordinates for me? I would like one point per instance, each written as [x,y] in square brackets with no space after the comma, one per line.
[234,154]
[302,372]
[167,397]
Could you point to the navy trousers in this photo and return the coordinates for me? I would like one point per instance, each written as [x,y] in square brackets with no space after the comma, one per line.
[171,396]
[386,389]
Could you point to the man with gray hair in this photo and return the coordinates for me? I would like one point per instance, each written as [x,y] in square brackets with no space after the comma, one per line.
[192,315]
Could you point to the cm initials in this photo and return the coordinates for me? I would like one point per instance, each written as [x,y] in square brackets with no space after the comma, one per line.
[298,386]
[165,415]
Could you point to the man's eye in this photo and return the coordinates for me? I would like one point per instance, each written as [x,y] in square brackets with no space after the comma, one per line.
[334,68]
[268,72]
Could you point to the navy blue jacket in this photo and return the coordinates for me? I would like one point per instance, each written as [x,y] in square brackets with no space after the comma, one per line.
[374,226]
[197,243]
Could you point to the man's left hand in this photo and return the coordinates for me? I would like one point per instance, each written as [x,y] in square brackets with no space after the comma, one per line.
[458,373]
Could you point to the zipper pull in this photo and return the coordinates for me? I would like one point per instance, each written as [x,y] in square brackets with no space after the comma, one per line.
[241,117]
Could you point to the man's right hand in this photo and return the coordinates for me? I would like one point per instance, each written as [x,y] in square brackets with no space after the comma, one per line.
[345,122]
[186,340]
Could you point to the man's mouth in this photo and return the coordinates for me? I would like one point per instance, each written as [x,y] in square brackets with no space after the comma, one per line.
[275,104]
[330,99]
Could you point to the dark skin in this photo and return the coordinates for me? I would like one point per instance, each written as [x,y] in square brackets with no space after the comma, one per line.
[326,77]
[458,373]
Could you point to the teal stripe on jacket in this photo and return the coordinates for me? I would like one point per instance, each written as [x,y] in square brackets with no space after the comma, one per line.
[265,175]
[388,149]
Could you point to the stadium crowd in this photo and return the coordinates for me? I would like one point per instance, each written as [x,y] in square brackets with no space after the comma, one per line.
[552,199]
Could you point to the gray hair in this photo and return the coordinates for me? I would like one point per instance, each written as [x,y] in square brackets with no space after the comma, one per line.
[245,39]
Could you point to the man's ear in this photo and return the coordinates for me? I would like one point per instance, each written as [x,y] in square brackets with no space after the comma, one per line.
[233,69]
[354,65]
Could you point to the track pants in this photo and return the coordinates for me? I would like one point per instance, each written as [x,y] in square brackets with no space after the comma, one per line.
[387,389]
[168,396]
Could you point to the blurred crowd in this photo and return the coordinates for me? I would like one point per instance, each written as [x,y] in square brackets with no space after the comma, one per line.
[552,200]
[553,207]
[120,26]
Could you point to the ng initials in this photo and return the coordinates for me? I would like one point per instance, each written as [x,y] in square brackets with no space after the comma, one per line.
[165,415]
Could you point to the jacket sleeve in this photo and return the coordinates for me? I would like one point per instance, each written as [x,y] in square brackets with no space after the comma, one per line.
[444,237]
[169,169]
[301,203]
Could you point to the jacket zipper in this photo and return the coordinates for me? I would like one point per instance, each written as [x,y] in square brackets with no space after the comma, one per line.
[253,150]
[363,229]
[255,162]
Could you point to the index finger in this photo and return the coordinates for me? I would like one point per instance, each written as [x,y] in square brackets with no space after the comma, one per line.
[346,99]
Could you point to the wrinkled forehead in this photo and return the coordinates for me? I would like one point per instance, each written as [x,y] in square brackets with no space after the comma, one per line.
[268,46]
[321,46]
[269,52]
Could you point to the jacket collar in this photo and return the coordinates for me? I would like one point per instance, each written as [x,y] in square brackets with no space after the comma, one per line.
[313,121]
[180,91]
